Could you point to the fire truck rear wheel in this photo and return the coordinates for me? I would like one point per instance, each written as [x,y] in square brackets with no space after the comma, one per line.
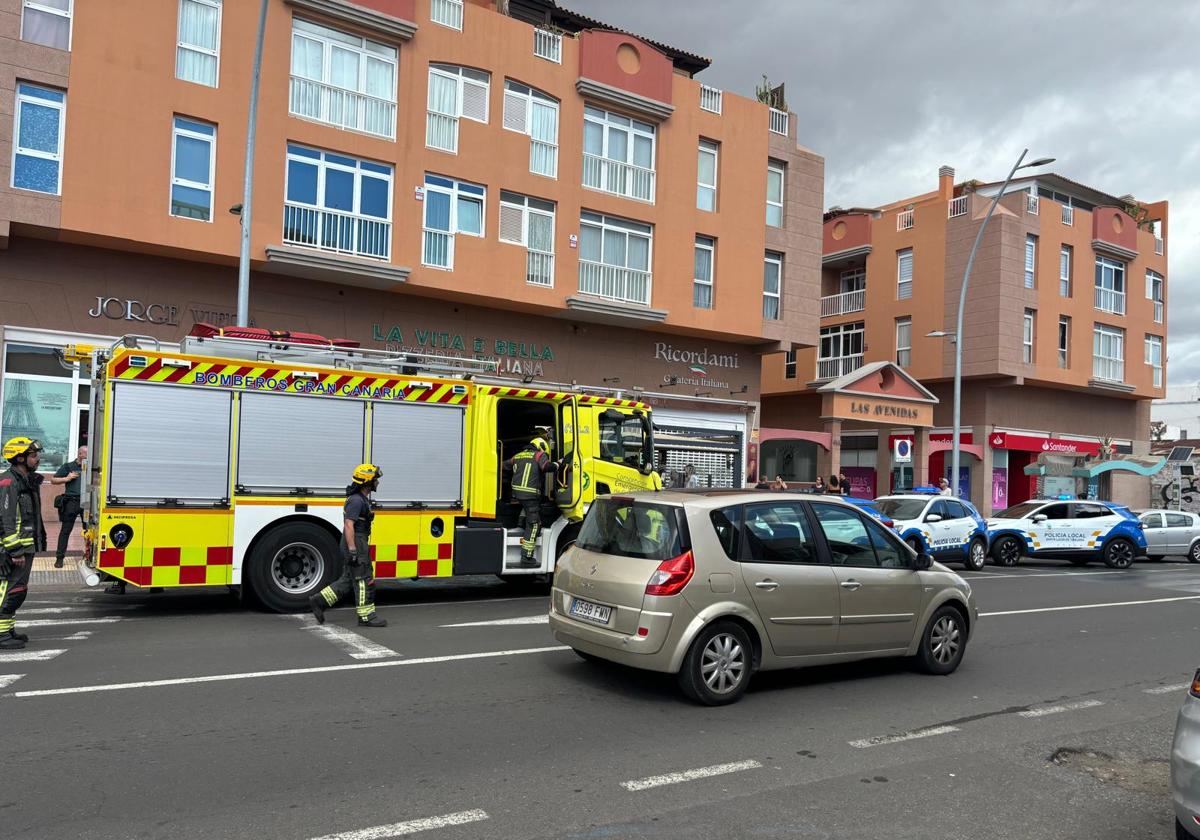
[290,563]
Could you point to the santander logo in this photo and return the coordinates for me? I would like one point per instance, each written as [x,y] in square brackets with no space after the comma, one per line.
[997,440]
[1050,446]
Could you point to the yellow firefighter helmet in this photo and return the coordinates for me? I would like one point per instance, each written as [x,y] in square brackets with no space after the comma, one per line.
[540,444]
[366,473]
[18,446]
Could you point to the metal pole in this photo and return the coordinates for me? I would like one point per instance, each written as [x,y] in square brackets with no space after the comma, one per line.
[243,298]
[958,330]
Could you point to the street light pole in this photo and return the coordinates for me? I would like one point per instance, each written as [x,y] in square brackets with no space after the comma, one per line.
[956,451]
[243,293]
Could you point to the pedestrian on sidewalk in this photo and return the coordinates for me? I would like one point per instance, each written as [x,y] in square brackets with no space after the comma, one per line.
[22,534]
[357,575]
[944,488]
[68,502]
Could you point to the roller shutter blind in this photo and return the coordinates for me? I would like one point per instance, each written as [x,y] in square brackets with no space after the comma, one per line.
[288,441]
[420,449]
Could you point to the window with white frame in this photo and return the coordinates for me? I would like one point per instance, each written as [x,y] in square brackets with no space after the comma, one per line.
[1154,358]
[1108,353]
[337,203]
[1030,261]
[454,93]
[47,22]
[1064,342]
[1066,256]
[904,342]
[198,49]
[451,208]
[706,176]
[529,221]
[193,162]
[447,13]
[1028,329]
[775,183]
[1154,292]
[1110,285]
[43,400]
[703,259]
[789,364]
[342,79]
[840,351]
[618,154]
[534,113]
[904,274]
[772,285]
[38,138]
[615,257]
[852,280]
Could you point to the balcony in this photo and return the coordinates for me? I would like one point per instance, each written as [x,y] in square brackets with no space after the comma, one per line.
[547,45]
[342,108]
[619,178]
[958,206]
[1068,215]
[1031,203]
[441,132]
[614,283]
[333,230]
[710,99]
[1107,369]
[437,249]
[778,123]
[833,368]
[1110,300]
[905,220]
[539,269]
[844,303]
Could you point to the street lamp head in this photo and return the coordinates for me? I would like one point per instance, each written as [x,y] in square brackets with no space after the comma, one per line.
[1039,162]
[939,334]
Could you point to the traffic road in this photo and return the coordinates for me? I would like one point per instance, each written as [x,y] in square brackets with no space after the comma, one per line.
[181,715]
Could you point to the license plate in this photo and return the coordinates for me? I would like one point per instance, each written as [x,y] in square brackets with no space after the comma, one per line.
[590,612]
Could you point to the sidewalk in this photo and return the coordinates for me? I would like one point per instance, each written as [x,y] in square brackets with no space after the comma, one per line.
[43,571]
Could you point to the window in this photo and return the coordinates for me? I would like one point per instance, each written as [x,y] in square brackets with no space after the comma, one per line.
[702,273]
[1064,270]
[706,176]
[1110,285]
[198,50]
[841,350]
[451,207]
[447,13]
[904,274]
[1108,353]
[1179,520]
[1064,341]
[622,440]
[789,364]
[1086,511]
[1056,512]
[47,22]
[629,528]
[614,257]
[772,284]
[530,222]
[337,203]
[529,111]
[846,534]
[904,341]
[777,532]
[954,509]
[618,154]
[1154,292]
[454,93]
[1027,330]
[852,280]
[193,162]
[42,397]
[38,139]
[727,523]
[342,79]
[1030,261]
[1154,358]
[775,173]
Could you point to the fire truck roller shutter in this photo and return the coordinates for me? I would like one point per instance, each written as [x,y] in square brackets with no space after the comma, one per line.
[420,448]
[289,441]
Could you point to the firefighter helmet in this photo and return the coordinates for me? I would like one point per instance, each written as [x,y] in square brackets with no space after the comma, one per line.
[366,473]
[539,443]
[18,446]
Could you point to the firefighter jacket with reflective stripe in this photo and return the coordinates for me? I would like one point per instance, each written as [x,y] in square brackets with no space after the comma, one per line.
[358,510]
[528,467]
[21,529]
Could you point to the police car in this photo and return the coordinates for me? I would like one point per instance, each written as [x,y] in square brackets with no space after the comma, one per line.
[1068,529]
[950,529]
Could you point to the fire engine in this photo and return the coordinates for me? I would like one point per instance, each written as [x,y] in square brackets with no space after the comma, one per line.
[226,462]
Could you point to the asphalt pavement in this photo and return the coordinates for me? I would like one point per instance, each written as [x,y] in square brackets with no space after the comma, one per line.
[182,715]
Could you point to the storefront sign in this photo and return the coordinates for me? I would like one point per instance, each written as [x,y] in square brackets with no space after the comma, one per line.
[524,358]
[934,437]
[999,488]
[125,309]
[1028,443]
[875,410]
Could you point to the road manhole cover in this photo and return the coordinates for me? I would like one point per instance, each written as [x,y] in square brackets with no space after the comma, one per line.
[1150,776]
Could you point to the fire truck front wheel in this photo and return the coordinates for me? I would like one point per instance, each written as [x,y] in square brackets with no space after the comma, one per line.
[290,563]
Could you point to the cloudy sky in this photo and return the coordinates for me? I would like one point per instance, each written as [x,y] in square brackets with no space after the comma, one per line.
[889,90]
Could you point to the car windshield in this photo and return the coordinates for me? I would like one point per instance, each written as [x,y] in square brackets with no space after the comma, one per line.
[1019,511]
[629,528]
[901,508]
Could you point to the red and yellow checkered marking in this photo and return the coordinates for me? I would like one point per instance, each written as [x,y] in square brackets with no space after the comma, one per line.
[170,548]
[590,399]
[404,546]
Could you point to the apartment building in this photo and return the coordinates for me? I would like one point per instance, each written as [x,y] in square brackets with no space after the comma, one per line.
[505,180]
[1063,340]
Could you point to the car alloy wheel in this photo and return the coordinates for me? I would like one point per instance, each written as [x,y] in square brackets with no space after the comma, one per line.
[1194,553]
[723,663]
[976,556]
[945,639]
[1118,554]
[1008,552]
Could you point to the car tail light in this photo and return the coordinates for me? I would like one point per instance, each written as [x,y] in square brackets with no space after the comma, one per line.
[672,575]
[1195,692]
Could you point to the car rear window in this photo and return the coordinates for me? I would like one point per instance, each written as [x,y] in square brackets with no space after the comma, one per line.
[628,527]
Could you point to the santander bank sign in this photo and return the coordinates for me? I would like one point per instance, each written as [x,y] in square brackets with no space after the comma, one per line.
[1030,443]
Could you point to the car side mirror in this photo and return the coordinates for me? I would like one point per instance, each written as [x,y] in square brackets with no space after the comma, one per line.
[924,561]
[933,517]
[1040,517]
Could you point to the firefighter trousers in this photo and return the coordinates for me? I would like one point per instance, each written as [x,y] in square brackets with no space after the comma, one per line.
[358,580]
[533,524]
[14,585]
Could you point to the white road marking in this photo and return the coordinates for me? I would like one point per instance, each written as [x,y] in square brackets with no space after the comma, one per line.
[55,622]
[1167,689]
[411,827]
[359,647]
[690,775]
[31,655]
[880,740]
[543,618]
[8,679]
[456,603]
[81,608]
[1092,606]
[1031,576]
[287,672]
[1042,711]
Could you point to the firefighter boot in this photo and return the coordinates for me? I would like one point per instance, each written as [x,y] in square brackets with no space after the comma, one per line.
[374,620]
[317,604]
[9,641]
[20,637]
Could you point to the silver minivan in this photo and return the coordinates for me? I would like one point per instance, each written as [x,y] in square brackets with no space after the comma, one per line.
[714,585]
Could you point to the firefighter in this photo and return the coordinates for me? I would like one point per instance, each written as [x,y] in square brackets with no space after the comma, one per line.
[357,575]
[529,468]
[21,532]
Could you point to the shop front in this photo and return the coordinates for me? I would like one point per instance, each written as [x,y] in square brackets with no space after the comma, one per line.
[1015,459]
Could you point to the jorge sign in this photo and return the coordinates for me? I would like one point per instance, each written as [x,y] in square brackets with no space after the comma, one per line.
[125,309]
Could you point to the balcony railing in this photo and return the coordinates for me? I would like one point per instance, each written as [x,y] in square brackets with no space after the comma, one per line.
[779,122]
[614,283]
[1110,370]
[441,132]
[904,220]
[619,178]
[710,99]
[543,158]
[1110,300]
[437,250]
[833,368]
[958,206]
[547,45]
[1031,203]
[332,230]
[1158,245]
[343,108]
[1068,214]
[447,12]
[539,268]
[844,303]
